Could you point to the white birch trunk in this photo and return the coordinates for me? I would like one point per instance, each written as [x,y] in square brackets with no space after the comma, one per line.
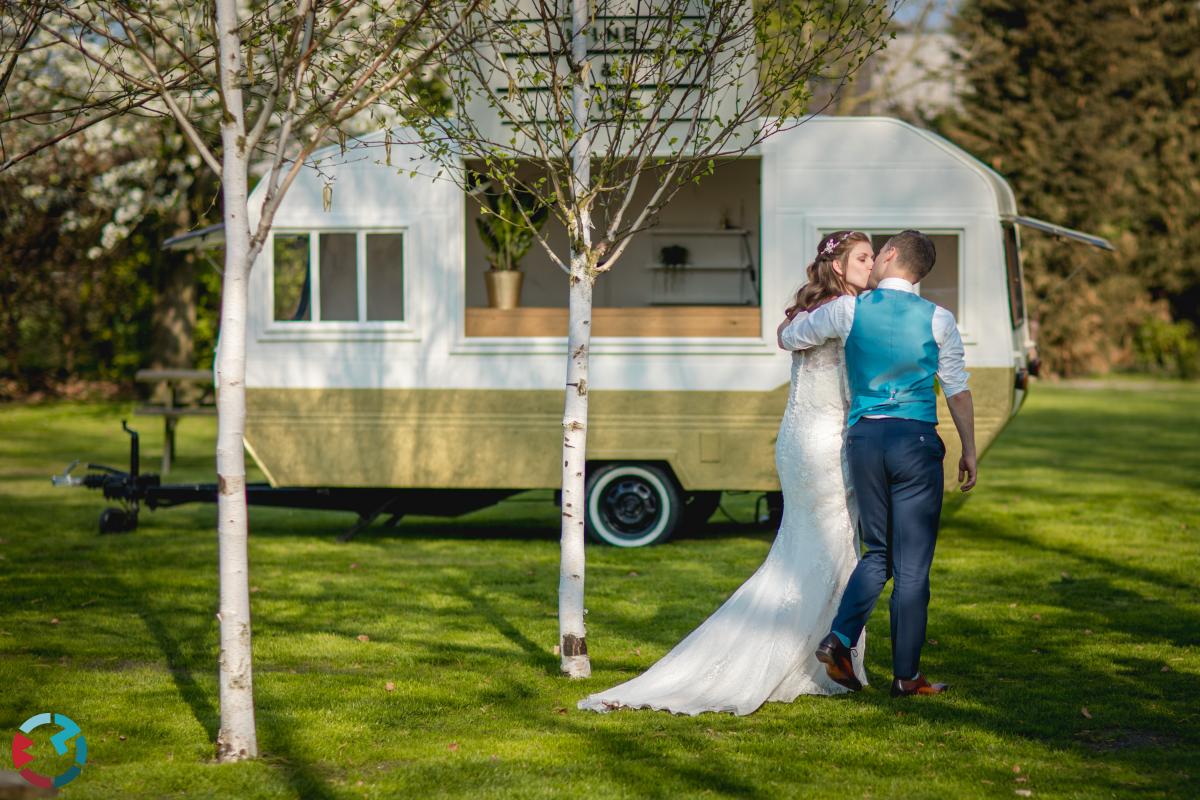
[237,739]
[571,632]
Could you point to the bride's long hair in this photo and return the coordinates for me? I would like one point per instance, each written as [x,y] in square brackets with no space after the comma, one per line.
[823,283]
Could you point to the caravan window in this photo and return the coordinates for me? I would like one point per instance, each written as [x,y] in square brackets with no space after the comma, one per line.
[1012,259]
[291,277]
[942,285]
[338,276]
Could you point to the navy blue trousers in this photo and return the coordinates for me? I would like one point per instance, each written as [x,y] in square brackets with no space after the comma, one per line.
[896,473]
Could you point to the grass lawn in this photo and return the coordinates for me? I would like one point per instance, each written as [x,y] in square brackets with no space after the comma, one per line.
[1066,612]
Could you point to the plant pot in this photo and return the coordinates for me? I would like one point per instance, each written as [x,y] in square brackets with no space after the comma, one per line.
[504,287]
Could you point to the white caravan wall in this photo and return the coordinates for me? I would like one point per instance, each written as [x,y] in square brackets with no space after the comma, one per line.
[877,174]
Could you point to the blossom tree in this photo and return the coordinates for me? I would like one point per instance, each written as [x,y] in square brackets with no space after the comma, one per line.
[578,103]
[244,81]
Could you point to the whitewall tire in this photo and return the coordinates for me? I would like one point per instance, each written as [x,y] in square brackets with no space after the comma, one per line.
[632,505]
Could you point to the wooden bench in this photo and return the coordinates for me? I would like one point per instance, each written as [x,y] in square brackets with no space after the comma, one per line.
[173,409]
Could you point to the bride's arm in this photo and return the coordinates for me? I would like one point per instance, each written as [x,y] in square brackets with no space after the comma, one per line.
[831,321]
[790,315]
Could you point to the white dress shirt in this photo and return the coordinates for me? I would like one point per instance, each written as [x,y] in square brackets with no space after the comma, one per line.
[835,319]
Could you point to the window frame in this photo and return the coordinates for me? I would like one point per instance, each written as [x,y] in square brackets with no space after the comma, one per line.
[960,232]
[1014,273]
[316,328]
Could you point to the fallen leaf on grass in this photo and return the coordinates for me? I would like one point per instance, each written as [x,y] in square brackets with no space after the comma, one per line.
[1085,712]
[1023,792]
[495,757]
[560,709]
[1022,779]
[362,637]
[633,573]
[1087,631]
[54,621]
[1016,767]
[1037,616]
[452,747]
[254,589]
[390,686]
[121,737]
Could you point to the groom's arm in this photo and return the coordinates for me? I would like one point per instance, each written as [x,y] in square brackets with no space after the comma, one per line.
[831,321]
[952,374]
[962,411]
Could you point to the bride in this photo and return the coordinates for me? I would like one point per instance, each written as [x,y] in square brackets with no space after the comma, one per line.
[759,645]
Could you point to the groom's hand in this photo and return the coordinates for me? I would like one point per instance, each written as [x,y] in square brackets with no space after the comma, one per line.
[966,472]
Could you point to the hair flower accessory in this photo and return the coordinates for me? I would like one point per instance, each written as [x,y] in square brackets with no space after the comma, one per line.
[833,243]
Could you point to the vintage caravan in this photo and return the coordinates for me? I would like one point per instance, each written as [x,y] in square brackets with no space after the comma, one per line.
[374,361]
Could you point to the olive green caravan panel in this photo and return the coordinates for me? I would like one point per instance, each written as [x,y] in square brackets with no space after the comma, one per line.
[475,438]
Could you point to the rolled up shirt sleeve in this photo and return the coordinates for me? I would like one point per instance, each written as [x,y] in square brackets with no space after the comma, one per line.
[831,321]
[952,364]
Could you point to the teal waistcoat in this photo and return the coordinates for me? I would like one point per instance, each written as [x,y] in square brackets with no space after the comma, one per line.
[891,357]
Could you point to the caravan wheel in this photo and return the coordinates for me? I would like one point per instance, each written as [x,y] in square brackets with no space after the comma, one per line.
[632,505]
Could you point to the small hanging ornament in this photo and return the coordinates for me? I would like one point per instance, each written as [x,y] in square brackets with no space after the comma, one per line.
[327,196]
[387,147]
[342,140]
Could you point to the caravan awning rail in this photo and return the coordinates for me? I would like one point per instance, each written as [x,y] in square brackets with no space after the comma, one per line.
[1059,230]
[201,239]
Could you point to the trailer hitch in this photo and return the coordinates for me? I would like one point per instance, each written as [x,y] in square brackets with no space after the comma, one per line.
[127,488]
[133,490]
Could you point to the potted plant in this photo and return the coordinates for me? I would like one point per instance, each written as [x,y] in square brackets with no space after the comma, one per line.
[507,236]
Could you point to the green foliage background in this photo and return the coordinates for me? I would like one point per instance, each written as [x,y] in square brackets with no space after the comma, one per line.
[1090,109]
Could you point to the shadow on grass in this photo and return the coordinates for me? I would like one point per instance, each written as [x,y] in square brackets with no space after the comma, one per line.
[536,656]
[273,731]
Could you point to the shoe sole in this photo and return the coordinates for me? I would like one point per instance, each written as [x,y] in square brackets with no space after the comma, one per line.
[836,673]
[918,693]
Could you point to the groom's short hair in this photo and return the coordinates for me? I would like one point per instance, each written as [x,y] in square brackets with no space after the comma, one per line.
[915,251]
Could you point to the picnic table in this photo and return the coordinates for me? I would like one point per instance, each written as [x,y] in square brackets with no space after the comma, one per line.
[199,401]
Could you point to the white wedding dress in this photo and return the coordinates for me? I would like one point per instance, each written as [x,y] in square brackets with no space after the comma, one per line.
[759,646]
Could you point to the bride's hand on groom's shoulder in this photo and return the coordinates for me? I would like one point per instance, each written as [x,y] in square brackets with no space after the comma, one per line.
[789,315]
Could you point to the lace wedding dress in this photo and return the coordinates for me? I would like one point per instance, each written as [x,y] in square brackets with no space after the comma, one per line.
[759,645]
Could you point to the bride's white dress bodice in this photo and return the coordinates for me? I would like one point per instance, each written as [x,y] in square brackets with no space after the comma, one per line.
[759,645]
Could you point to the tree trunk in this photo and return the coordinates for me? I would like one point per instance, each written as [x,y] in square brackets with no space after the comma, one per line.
[175,308]
[236,740]
[571,632]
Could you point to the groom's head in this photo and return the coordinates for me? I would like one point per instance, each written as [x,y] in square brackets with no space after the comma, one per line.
[909,255]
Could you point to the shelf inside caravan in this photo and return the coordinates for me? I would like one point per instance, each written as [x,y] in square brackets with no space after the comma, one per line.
[636,321]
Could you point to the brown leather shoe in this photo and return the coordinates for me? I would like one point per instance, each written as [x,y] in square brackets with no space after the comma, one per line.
[838,661]
[919,686]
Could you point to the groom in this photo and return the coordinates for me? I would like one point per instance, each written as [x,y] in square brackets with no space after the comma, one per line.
[896,343]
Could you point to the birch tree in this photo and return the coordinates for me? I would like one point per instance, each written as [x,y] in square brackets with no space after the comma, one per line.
[581,102]
[245,81]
